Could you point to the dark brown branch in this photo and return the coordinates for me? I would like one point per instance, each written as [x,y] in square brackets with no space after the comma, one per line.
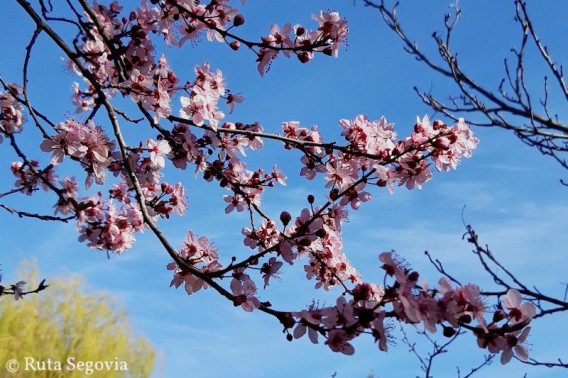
[22,214]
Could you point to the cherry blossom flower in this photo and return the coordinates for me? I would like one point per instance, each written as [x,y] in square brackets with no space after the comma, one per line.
[198,249]
[201,105]
[234,202]
[157,152]
[332,28]
[84,101]
[278,176]
[244,294]
[379,331]
[178,200]
[340,315]
[494,342]
[338,341]
[269,269]
[519,312]
[11,118]
[311,316]
[232,99]
[515,342]
[355,196]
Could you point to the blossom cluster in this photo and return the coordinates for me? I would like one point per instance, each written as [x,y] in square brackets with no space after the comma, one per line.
[152,83]
[199,252]
[204,96]
[85,142]
[11,118]
[373,146]
[29,177]
[106,223]
[327,38]
[447,306]
[316,233]
[117,55]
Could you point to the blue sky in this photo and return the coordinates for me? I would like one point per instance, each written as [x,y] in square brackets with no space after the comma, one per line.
[512,194]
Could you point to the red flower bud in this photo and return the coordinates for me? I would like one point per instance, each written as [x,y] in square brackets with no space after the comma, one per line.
[304,57]
[239,20]
[285,217]
[449,331]
[499,315]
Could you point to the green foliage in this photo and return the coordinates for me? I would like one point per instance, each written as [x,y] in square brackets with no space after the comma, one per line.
[63,322]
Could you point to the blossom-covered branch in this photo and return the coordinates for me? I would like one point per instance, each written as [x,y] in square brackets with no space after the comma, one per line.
[511,104]
[184,123]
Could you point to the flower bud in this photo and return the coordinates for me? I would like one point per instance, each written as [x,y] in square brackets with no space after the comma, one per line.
[334,194]
[285,218]
[287,320]
[304,57]
[499,315]
[167,188]
[449,331]
[413,276]
[239,20]
[311,199]
[465,319]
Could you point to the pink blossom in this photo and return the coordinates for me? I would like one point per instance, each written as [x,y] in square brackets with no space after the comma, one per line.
[11,117]
[269,269]
[198,249]
[519,312]
[333,29]
[379,331]
[244,294]
[494,342]
[338,341]
[308,319]
[233,99]
[157,152]
[234,202]
[264,59]
[341,315]
[355,196]
[86,142]
[84,101]
[178,199]
[278,176]
[311,168]
[515,342]
[340,173]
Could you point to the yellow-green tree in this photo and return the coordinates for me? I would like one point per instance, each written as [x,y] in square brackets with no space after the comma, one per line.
[86,333]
